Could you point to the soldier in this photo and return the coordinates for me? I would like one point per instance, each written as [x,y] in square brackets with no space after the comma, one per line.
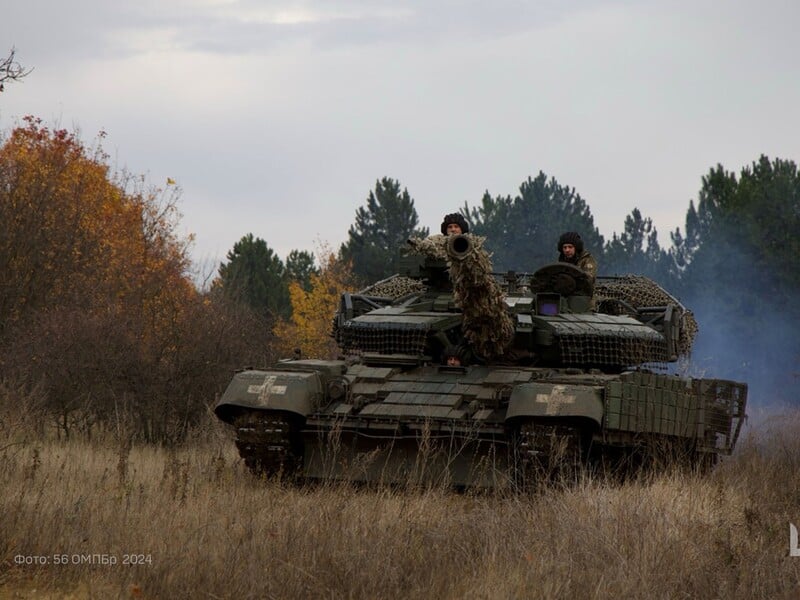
[451,356]
[571,250]
[456,356]
[454,224]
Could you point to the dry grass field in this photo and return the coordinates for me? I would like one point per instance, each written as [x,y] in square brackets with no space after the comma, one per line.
[77,516]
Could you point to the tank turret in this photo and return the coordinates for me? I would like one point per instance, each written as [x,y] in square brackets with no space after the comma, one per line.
[546,318]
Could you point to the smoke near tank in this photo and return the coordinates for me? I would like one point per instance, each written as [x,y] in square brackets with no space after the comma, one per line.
[749,330]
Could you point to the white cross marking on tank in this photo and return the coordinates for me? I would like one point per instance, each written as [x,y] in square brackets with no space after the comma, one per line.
[266,387]
[556,399]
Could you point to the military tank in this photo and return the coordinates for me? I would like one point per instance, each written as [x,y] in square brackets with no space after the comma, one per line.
[452,374]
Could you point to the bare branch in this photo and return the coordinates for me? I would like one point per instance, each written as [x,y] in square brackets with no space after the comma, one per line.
[11,69]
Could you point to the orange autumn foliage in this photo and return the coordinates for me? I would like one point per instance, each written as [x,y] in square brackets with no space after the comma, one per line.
[73,234]
[310,326]
[96,303]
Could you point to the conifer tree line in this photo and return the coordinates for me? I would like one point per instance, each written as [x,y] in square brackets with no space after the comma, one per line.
[99,312]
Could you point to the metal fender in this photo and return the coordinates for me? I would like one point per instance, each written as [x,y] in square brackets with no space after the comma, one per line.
[556,400]
[295,392]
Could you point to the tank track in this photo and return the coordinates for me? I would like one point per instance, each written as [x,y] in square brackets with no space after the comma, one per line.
[265,441]
[546,454]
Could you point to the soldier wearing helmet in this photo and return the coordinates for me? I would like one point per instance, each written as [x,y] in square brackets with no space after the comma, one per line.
[459,355]
[455,356]
[571,250]
[454,224]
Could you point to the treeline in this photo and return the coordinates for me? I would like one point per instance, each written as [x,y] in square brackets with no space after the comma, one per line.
[100,316]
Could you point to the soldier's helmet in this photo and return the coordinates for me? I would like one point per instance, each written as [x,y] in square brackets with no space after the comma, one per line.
[458,220]
[571,237]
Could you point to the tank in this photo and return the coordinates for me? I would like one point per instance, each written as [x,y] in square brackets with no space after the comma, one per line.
[452,374]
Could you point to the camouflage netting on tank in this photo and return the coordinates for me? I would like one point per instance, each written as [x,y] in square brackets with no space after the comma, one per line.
[613,348]
[395,338]
[433,246]
[487,326]
[394,287]
[357,337]
[638,291]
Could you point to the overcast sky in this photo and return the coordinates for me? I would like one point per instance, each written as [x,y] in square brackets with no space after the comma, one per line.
[277,118]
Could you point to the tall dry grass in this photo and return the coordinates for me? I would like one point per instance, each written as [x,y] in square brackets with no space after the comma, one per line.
[213,531]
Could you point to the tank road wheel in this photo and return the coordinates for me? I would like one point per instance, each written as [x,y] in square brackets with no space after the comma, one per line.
[266,443]
[547,454]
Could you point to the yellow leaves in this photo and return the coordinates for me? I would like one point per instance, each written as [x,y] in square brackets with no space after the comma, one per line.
[310,326]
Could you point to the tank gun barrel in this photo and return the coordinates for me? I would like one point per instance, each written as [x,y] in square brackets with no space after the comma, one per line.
[487,325]
[458,247]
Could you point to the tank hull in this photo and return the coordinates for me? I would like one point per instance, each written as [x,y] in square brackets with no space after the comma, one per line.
[481,426]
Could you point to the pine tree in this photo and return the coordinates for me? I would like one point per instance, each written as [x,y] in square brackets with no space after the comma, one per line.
[254,274]
[380,231]
[522,233]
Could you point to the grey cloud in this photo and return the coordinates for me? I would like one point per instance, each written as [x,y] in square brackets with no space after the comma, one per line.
[368,23]
[46,31]
[52,32]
